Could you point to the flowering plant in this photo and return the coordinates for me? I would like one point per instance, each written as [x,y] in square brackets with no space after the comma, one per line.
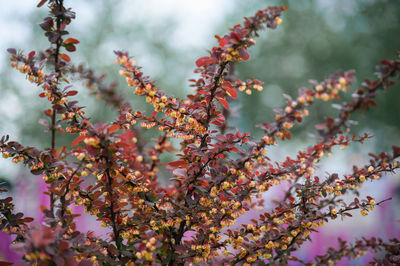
[220,173]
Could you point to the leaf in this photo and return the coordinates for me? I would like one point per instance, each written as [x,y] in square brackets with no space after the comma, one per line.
[65,57]
[52,36]
[113,128]
[32,54]
[178,163]
[98,203]
[70,48]
[396,151]
[12,51]
[112,249]
[244,54]
[180,172]
[78,140]
[204,183]
[224,103]
[72,93]
[44,122]
[41,3]
[223,42]
[27,219]
[232,92]
[47,24]
[37,171]
[69,14]
[205,60]
[229,88]
[71,40]
[220,118]
[8,200]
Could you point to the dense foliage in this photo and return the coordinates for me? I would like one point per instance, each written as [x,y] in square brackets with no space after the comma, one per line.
[219,174]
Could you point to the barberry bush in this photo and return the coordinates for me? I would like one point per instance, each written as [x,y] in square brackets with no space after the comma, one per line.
[219,173]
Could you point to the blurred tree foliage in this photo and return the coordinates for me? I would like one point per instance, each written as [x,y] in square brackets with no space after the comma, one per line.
[100,31]
[316,38]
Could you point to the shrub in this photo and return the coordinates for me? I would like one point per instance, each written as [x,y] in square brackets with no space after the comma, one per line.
[220,173]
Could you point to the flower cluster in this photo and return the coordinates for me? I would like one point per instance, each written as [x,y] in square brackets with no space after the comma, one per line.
[218,175]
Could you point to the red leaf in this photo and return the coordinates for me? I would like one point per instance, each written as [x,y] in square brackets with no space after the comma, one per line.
[70,48]
[65,57]
[113,128]
[41,3]
[78,140]
[223,102]
[229,88]
[97,203]
[8,200]
[205,60]
[71,40]
[227,84]
[72,93]
[287,134]
[178,163]
[112,249]
[203,92]
[232,92]
[204,183]
[223,42]
[48,112]
[42,95]
[27,219]
[32,54]
[217,123]
[396,151]
[244,54]
[220,118]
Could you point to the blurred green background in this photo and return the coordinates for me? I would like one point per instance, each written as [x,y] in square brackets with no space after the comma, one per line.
[315,39]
